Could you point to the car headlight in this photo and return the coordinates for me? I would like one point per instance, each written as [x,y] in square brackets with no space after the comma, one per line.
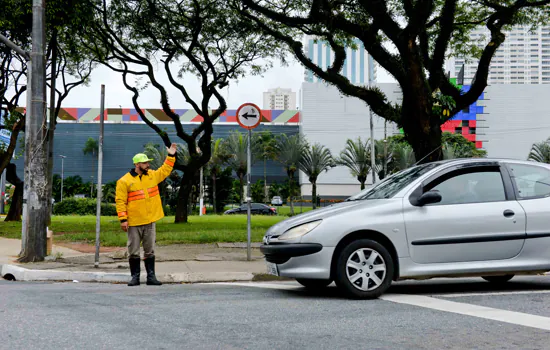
[300,230]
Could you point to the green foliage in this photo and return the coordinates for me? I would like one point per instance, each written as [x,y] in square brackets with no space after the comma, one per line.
[540,152]
[82,206]
[224,190]
[257,190]
[275,190]
[72,186]
[91,146]
[356,156]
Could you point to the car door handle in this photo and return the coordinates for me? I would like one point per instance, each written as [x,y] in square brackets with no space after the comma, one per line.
[508,213]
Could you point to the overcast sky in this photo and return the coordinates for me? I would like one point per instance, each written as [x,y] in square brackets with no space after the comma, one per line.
[248,89]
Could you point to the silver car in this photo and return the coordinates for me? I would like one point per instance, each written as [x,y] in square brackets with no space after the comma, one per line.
[468,217]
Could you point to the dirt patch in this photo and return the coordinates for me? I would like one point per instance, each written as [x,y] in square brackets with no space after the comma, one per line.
[88,248]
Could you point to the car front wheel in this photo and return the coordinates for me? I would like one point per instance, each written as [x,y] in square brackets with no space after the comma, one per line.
[313,284]
[498,279]
[364,269]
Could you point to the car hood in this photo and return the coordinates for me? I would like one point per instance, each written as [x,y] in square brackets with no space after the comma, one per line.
[317,214]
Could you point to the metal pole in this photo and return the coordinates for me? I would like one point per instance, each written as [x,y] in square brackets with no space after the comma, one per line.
[62,174]
[99,176]
[372,155]
[248,199]
[15,48]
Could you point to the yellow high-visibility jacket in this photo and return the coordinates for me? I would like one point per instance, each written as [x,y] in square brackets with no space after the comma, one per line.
[137,196]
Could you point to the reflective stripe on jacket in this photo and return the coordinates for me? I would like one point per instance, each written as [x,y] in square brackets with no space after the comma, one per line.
[137,196]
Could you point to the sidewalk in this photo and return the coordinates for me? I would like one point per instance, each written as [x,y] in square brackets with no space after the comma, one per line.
[218,262]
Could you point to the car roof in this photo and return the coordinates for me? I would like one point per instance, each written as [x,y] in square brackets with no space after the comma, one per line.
[490,160]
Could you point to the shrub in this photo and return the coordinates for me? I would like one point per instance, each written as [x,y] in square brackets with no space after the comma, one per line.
[83,206]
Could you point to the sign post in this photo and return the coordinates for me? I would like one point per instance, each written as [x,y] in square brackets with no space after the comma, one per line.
[248,116]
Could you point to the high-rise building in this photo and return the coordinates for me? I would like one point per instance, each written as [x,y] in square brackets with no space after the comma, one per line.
[279,99]
[357,66]
[523,58]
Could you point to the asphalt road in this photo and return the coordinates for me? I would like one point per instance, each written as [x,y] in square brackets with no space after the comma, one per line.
[435,314]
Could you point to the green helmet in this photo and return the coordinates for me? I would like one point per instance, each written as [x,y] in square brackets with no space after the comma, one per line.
[141,158]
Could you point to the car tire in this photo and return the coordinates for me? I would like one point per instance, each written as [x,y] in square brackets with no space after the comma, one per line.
[358,283]
[498,279]
[313,284]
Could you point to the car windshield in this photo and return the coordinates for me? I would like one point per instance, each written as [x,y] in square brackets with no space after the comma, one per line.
[390,186]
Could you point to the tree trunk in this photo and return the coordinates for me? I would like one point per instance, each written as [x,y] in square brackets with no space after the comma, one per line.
[422,128]
[16,206]
[182,205]
[314,194]
[291,193]
[214,193]
[241,180]
[265,182]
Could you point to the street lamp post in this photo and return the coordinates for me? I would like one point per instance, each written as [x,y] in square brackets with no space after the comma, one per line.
[62,159]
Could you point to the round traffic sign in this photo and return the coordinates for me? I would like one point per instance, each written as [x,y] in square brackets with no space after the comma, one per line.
[249,116]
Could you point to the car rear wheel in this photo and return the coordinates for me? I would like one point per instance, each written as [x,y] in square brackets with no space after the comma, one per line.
[498,279]
[313,283]
[364,269]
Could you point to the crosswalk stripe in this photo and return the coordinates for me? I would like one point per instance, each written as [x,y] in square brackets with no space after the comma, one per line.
[489,313]
[431,302]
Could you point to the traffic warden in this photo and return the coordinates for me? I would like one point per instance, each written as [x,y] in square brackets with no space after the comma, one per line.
[139,206]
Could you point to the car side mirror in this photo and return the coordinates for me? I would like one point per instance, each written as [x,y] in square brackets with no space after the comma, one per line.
[429,197]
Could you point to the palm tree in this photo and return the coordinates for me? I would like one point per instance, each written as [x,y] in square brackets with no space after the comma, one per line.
[266,143]
[290,151]
[214,166]
[236,146]
[316,159]
[540,152]
[383,157]
[91,147]
[403,157]
[356,157]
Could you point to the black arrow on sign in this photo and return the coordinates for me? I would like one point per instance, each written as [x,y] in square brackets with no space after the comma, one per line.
[246,116]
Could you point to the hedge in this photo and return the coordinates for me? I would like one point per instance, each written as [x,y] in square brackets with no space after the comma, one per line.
[83,206]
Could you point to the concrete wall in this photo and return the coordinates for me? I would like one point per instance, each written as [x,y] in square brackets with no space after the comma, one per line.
[516,117]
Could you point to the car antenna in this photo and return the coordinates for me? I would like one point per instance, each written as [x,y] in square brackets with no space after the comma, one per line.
[438,147]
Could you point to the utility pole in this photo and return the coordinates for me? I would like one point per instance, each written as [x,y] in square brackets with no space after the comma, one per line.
[99,176]
[62,175]
[372,155]
[36,156]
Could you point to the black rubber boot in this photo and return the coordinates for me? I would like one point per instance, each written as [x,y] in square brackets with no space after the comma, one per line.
[150,268]
[135,270]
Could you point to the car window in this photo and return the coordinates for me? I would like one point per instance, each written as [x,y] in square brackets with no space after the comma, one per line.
[530,181]
[470,187]
[391,185]
[257,206]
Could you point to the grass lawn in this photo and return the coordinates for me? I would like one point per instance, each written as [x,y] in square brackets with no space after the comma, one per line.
[199,229]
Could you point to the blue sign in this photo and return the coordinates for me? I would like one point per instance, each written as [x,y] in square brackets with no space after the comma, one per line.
[4,134]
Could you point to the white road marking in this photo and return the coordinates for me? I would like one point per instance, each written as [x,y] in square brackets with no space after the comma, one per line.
[429,302]
[458,295]
[489,313]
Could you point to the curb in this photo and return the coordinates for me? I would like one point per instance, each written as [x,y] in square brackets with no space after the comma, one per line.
[22,274]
